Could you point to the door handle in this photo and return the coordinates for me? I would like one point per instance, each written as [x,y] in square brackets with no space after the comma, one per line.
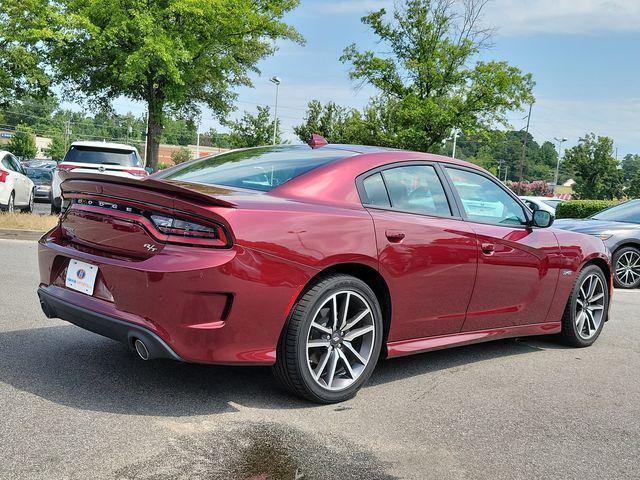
[394,236]
[488,248]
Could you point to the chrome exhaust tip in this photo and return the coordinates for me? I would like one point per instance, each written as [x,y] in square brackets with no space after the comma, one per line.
[141,349]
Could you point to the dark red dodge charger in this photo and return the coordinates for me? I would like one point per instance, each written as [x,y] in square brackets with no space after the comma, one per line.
[317,260]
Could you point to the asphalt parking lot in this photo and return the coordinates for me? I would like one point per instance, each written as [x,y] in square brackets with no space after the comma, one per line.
[76,405]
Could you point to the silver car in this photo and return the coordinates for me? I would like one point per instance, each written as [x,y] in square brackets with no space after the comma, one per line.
[619,228]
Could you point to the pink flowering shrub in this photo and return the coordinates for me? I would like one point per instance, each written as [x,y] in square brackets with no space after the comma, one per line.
[537,188]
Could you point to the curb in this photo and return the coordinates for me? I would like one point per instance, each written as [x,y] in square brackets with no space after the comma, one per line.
[10,234]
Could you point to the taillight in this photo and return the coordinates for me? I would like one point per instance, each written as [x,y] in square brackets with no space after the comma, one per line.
[65,167]
[189,232]
[3,176]
[138,173]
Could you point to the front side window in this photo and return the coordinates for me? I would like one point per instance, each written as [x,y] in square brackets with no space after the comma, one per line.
[256,168]
[417,189]
[484,201]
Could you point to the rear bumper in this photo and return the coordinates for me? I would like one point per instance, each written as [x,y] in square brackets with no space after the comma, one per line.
[125,332]
[215,306]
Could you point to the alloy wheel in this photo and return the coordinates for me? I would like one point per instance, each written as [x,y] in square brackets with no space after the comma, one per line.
[340,340]
[590,306]
[628,268]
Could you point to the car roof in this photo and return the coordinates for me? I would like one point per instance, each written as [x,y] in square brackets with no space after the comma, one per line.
[109,145]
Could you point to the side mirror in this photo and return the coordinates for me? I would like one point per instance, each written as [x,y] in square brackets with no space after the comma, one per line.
[149,170]
[542,219]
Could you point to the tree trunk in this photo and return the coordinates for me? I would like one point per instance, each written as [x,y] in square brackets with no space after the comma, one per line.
[155,125]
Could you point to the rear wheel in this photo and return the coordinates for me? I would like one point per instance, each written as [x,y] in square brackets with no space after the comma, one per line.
[55,206]
[626,264]
[587,308]
[332,340]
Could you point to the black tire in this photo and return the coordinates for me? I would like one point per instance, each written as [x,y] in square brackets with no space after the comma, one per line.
[291,368]
[29,208]
[569,334]
[11,204]
[56,207]
[619,280]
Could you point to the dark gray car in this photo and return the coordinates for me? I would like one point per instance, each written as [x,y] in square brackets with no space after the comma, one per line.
[619,229]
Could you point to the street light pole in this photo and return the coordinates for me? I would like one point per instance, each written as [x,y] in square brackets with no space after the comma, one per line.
[276,81]
[455,131]
[560,142]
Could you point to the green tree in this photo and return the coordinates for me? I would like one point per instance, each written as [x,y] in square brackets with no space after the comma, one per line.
[634,187]
[596,170]
[428,75]
[253,130]
[21,71]
[23,143]
[56,149]
[630,167]
[173,55]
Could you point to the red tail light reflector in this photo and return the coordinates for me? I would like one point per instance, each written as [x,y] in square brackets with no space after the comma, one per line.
[65,167]
[3,176]
[138,173]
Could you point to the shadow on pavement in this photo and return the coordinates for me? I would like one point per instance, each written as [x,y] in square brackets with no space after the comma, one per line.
[71,367]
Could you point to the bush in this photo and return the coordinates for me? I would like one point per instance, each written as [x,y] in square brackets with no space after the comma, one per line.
[538,188]
[582,208]
[180,156]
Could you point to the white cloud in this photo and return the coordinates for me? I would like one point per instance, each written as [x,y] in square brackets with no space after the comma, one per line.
[350,6]
[524,17]
[574,118]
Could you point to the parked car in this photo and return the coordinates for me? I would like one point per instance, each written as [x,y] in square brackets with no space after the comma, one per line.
[41,178]
[317,261]
[16,189]
[619,228]
[47,164]
[541,203]
[96,157]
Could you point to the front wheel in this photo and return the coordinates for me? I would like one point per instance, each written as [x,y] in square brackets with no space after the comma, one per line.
[332,340]
[626,265]
[587,308]
[29,208]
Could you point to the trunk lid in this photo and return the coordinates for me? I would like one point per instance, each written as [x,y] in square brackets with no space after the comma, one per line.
[119,215]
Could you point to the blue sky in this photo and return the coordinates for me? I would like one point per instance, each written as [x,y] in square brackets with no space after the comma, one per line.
[584,56]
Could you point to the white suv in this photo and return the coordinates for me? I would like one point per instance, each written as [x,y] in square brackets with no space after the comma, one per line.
[96,157]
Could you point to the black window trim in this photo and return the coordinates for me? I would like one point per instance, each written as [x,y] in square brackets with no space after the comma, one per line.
[526,210]
[453,206]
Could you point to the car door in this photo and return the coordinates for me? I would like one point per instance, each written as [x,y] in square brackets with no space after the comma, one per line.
[518,265]
[427,254]
[12,180]
[22,182]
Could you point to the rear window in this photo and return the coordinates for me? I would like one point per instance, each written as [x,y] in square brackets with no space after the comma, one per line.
[103,156]
[37,174]
[261,169]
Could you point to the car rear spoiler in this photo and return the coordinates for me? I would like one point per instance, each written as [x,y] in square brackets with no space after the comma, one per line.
[93,183]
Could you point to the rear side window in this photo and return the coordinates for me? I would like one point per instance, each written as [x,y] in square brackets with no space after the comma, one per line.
[376,191]
[102,156]
[416,188]
[261,169]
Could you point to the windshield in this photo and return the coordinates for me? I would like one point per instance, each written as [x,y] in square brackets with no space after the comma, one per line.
[261,169]
[552,203]
[628,212]
[103,156]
